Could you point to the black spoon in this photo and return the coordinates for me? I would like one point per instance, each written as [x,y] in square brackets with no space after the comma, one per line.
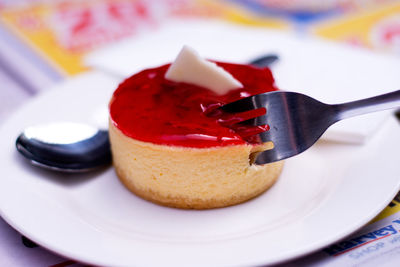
[74,147]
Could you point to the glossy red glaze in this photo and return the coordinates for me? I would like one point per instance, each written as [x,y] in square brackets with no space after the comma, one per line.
[149,108]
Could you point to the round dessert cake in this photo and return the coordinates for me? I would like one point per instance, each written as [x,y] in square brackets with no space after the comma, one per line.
[173,146]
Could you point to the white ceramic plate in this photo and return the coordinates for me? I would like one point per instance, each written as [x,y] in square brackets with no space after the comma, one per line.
[322,195]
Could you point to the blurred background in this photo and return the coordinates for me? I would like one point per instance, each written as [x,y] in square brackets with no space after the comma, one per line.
[45,41]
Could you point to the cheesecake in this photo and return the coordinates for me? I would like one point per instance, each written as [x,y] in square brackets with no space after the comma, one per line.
[172,145]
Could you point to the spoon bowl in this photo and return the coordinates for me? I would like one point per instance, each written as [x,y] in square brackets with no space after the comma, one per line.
[65,146]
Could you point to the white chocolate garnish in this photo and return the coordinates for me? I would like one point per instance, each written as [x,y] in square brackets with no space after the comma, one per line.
[189,67]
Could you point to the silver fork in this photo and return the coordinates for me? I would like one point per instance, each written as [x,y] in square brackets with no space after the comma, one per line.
[297,121]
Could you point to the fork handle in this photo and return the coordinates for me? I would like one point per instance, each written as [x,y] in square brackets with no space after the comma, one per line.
[372,104]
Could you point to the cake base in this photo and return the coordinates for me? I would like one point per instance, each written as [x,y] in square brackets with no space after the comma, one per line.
[191,178]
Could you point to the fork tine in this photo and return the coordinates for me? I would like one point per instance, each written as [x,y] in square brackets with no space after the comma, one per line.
[243,118]
[241,105]
[256,121]
[249,103]
[272,155]
[267,156]
[271,101]
[247,131]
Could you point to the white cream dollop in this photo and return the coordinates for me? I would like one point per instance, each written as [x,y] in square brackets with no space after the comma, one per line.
[190,67]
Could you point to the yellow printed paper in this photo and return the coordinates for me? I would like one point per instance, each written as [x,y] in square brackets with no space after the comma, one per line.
[65,31]
[62,33]
[234,13]
[391,209]
[377,28]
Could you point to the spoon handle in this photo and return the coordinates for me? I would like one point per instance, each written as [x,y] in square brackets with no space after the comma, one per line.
[368,105]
